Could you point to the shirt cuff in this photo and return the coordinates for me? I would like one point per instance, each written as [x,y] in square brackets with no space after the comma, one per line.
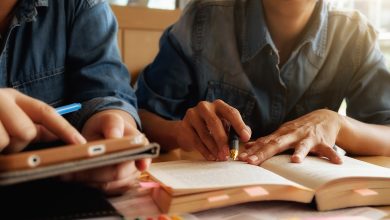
[88,108]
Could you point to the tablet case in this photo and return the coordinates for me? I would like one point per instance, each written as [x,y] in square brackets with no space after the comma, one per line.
[51,199]
[11,177]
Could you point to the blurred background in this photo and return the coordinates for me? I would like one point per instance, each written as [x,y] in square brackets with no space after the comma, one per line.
[377,11]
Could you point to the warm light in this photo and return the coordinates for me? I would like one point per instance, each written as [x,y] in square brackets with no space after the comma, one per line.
[218,198]
[256,191]
[365,192]
[149,184]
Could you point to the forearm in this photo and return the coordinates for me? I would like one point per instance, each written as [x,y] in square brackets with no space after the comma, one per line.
[363,139]
[159,129]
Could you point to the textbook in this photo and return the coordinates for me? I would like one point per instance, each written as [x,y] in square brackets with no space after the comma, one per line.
[190,186]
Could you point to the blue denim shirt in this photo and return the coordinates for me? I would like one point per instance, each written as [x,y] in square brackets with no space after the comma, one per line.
[66,51]
[223,50]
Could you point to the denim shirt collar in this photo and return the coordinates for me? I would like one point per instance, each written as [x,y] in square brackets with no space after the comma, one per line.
[27,10]
[256,35]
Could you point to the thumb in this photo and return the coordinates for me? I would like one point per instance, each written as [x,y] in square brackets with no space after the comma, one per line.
[112,126]
[143,164]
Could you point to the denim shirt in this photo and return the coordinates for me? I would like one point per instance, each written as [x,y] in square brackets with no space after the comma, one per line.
[66,51]
[222,49]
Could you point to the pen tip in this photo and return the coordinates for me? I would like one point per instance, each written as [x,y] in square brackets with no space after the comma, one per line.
[233,154]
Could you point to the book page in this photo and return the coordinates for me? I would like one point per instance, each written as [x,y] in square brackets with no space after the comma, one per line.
[287,210]
[313,172]
[195,175]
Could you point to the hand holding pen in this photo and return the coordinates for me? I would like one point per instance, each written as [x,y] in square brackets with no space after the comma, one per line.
[202,129]
[24,120]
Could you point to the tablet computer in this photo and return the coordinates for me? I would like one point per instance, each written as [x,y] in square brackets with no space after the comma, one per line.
[41,163]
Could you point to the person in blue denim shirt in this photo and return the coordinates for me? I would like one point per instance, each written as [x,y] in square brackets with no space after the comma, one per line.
[277,71]
[58,52]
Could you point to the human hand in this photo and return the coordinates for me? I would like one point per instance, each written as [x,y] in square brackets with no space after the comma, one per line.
[114,179]
[315,132]
[202,128]
[24,120]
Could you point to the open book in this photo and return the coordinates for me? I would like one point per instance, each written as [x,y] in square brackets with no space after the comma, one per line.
[190,186]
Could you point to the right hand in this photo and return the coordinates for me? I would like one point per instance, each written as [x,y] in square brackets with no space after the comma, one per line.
[202,128]
[24,120]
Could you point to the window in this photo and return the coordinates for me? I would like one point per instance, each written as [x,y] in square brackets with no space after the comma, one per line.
[378,13]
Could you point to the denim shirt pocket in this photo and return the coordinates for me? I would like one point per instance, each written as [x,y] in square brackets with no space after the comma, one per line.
[236,97]
[47,86]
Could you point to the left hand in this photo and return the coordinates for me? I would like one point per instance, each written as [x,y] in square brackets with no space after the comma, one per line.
[315,132]
[114,179]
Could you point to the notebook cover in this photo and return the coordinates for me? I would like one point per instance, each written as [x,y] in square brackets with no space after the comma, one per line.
[148,151]
[51,199]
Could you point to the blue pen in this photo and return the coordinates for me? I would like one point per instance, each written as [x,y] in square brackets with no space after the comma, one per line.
[68,108]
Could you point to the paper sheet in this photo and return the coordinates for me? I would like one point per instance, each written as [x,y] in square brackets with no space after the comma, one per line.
[211,175]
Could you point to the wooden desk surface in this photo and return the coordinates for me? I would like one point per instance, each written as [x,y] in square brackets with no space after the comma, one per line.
[380,161]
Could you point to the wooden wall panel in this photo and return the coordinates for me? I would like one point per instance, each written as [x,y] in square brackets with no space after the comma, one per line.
[139,33]
[140,48]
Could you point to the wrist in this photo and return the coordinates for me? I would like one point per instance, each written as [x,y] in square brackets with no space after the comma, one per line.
[343,124]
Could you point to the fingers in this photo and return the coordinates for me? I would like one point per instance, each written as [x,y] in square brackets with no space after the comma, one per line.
[112,126]
[301,150]
[4,138]
[105,174]
[143,164]
[206,119]
[215,127]
[261,151]
[234,117]
[197,143]
[114,179]
[44,135]
[19,127]
[109,124]
[117,187]
[45,115]
[207,141]
[328,152]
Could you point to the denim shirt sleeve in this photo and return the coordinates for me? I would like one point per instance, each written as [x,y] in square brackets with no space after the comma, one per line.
[368,97]
[98,78]
[166,87]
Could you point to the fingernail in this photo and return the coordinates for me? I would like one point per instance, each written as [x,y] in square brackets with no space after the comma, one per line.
[116,133]
[249,129]
[339,160]
[79,139]
[297,158]
[246,132]
[243,155]
[253,158]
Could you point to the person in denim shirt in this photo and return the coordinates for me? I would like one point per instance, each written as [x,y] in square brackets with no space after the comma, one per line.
[58,52]
[277,71]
